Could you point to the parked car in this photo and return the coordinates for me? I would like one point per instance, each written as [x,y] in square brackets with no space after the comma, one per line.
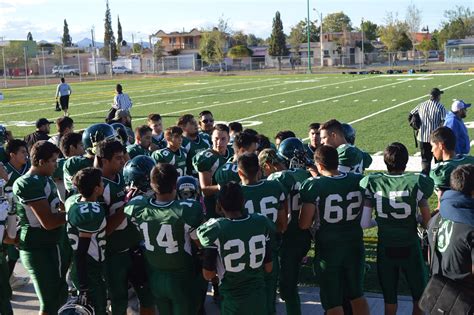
[63,70]
[121,70]
[215,67]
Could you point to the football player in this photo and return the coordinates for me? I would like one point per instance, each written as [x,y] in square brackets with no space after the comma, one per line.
[41,227]
[314,139]
[193,141]
[443,143]
[158,140]
[86,231]
[206,164]
[4,137]
[396,195]
[168,226]
[136,173]
[206,124]
[282,135]
[295,241]
[142,142]
[351,159]
[173,153]
[237,248]
[122,237]
[334,201]
[243,143]
[268,198]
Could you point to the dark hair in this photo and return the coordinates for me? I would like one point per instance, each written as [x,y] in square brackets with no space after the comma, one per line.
[248,164]
[70,139]
[231,197]
[142,130]
[86,180]
[444,135]
[244,140]
[221,127]
[62,80]
[107,148]
[462,179]
[42,150]
[163,178]
[284,134]
[251,131]
[118,88]
[263,142]
[333,126]
[64,123]
[205,112]
[154,117]
[13,146]
[174,130]
[185,119]
[327,156]
[395,157]
[314,126]
[236,126]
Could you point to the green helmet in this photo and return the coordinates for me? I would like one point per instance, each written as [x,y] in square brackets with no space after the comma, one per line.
[349,133]
[96,133]
[292,151]
[124,134]
[136,172]
[3,134]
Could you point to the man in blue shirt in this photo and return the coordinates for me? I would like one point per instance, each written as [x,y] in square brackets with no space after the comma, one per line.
[455,123]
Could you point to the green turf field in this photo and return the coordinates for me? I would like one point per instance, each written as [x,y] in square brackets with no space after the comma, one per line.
[377,106]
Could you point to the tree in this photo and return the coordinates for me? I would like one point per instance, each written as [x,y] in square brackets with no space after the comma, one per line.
[336,22]
[278,40]
[66,39]
[239,51]
[459,25]
[159,50]
[425,46]
[29,36]
[137,48]
[296,38]
[370,30]
[253,40]
[119,33]
[238,39]
[393,33]
[211,46]
[413,22]
[110,46]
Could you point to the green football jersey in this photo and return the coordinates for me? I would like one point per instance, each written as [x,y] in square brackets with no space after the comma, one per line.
[30,188]
[134,150]
[442,171]
[73,165]
[265,197]
[113,198]
[178,159]
[291,180]
[159,141]
[339,203]
[168,229]
[352,159]
[3,154]
[227,173]
[241,244]
[395,199]
[14,174]
[193,147]
[59,171]
[86,217]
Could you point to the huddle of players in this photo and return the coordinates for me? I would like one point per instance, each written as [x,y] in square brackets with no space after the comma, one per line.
[126,222]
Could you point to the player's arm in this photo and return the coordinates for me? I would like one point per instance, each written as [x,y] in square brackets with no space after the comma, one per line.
[267,260]
[205,180]
[306,217]
[366,222]
[209,262]
[47,219]
[80,257]
[114,220]
[425,212]
[282,216]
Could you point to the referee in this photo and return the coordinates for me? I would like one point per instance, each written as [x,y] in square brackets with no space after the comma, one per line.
[63,91]
[432,114]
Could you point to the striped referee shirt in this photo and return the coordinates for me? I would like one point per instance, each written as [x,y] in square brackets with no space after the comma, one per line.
[432,114]
[122,101]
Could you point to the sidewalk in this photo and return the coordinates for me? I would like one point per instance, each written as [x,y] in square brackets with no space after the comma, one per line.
[25,302]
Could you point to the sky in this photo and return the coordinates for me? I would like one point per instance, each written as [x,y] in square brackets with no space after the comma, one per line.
[44,18]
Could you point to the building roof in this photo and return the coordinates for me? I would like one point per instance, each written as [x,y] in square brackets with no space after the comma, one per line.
[193,32]
[460,42]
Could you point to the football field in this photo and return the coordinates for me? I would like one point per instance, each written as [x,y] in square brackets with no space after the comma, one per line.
[376,105]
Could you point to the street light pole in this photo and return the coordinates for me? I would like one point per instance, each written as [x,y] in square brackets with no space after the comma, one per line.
[309,39]
[321,39]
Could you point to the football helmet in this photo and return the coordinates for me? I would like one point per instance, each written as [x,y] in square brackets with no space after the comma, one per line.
[75,308]
[124,134]
[3,134]
[292,151]
[96,133]
[187,188]
[349,133]
[136,172]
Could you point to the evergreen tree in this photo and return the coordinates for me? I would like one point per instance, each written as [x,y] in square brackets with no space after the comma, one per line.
[66,40]
[110,46]
[29,36]
[278,40]
[119,33]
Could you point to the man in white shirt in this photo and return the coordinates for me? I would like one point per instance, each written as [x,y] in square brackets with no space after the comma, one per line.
[63,91]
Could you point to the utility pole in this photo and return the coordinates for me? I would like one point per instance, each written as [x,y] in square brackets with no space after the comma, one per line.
[308,31]
[44,66]
[321,39]
[362,45]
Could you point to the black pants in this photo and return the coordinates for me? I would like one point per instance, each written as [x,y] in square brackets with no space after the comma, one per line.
[426,157]
[64,102]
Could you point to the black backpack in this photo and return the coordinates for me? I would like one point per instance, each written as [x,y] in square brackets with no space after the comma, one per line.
[414,120]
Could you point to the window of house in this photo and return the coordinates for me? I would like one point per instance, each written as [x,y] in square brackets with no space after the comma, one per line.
[326,53]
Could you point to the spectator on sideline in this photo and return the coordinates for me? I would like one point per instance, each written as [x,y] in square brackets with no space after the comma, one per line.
[121,101]
[65,125]
[41,133]
[455,123]
[63,91]
[122,116]
[456,229]
[206,122]
[432,114]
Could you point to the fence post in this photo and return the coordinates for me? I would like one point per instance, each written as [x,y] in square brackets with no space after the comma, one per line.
[162,64]
[177,61]
[79,60]
[26,66]
[4,68]
[44,66]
